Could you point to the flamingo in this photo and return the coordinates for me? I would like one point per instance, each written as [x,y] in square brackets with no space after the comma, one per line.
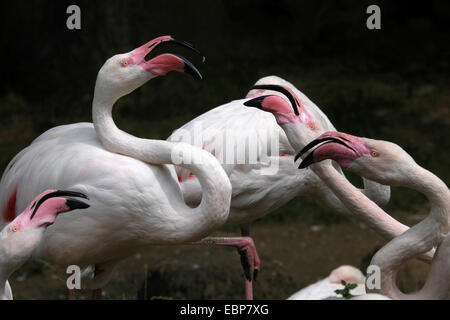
[256,194]
[341,188]
[388,163]
[136,199]
[325,288]
[21,237]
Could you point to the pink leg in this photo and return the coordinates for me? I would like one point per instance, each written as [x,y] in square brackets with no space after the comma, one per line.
[245,232]
[249,257]
[72,294]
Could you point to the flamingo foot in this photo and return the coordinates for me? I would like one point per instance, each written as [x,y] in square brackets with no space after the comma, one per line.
[249,257]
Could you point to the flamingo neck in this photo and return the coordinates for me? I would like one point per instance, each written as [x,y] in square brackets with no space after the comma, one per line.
[3,287]
[378,193]
[437,193]
[214,207]
[6,269]
[357,203]
[432,231]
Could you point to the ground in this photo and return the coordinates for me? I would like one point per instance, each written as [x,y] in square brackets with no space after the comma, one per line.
[294,254]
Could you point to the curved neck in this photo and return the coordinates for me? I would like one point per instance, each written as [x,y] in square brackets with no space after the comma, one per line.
[4,286]
[357,203]
[437,193]
[378,193]
[214,207]
[7,268]
[432,231]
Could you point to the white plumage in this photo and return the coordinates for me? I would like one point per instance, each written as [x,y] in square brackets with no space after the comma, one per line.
[20,238]
[136,200]
[256,194]
[325,288]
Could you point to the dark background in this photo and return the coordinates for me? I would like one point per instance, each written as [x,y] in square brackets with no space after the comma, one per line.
[390,84]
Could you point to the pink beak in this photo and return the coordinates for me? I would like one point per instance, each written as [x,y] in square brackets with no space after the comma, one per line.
[44,208]
[166,62]
[338,146]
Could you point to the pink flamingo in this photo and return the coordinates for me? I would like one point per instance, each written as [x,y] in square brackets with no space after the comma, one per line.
[136,199]
[369,212]
[388,163]
[256,194]
[325,288]
[22,236]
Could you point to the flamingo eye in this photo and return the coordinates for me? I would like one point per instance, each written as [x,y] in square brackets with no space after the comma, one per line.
[374,153]
[15,228]
[312,126]
[125,63]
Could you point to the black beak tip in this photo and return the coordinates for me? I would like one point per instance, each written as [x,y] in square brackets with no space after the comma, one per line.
[302,165]
[255,102]
[76,204]
[187,45]
[193,72]
[189,68]
[309,160]
[65,193]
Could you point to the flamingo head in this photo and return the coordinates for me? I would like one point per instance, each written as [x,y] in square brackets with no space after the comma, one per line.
[289,112]
[22,236]
[347,273]
[123,73]
[376,160]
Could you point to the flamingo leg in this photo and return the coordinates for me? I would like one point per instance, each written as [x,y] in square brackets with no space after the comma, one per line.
[249,257]
[245,232]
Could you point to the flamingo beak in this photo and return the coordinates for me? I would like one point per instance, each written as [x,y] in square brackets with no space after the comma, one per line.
[76,204]
[256,102]
[326,139]
[166,62]
[277,88]
[71,203]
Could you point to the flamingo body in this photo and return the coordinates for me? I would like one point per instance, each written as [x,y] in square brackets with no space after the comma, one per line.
[388,163]
[72,157]
[136,200]
[271,180]
[21,237]
[326,287]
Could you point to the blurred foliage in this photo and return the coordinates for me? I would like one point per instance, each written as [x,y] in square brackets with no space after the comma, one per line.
[387,84]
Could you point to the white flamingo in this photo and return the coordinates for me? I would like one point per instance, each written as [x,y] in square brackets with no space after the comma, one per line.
[326,287]
[136,199]
[20,238]
[341,188]
[388,163]
[256,194]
